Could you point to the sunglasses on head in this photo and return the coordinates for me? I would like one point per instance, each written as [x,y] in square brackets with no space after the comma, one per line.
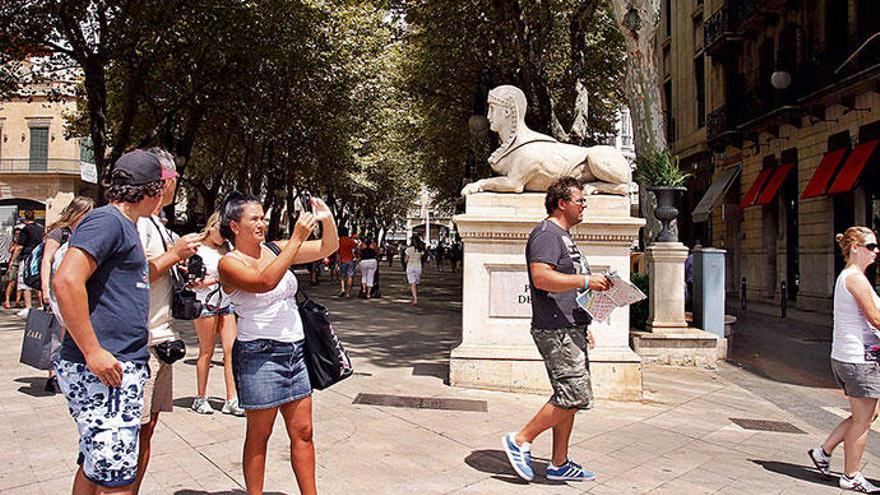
[870,246]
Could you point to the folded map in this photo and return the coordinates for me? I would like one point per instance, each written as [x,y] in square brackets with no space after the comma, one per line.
[600,304]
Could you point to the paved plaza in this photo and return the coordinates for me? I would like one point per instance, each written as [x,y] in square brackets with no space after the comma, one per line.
[681,439]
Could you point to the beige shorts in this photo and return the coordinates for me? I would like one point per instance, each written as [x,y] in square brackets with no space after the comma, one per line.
[158,395]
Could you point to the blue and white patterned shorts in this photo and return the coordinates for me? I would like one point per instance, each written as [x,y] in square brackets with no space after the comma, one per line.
[108,420]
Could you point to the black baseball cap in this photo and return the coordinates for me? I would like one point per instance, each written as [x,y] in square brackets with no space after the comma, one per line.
[135,168]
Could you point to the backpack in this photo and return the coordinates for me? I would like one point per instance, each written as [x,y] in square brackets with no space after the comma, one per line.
[32,265]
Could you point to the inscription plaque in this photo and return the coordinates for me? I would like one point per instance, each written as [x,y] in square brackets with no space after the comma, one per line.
[509,292]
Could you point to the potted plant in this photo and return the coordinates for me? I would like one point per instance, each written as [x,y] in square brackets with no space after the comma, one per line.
[659,173]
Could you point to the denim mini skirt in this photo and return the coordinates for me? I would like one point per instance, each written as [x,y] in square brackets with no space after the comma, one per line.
[269,373]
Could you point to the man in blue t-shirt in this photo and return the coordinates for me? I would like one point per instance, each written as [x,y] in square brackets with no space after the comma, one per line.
[557,272]
[103,295]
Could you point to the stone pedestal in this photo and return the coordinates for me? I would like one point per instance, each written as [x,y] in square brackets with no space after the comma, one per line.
[497,351]
[688,347]
[669,339]
[666,286]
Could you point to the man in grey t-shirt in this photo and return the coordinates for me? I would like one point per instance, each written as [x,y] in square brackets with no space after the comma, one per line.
[557,272]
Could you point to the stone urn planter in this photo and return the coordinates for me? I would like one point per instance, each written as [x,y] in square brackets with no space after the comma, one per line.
[666,211]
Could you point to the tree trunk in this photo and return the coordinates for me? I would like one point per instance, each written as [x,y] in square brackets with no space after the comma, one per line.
[638,21]
[96,101]
[134,88]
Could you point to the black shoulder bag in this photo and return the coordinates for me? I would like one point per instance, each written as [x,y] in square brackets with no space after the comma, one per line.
[326,359]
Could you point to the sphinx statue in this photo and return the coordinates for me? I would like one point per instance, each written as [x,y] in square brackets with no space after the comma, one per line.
[531,161]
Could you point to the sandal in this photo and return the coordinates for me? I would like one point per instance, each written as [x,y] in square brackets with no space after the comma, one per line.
[6,306]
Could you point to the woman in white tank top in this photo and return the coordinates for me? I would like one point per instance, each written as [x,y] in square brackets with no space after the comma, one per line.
[267,357]
[216,320]
[854,351]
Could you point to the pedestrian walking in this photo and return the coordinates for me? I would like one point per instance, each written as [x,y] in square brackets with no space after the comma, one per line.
[413,259]
[10,278]
[402,252]
[557,272]
[103,294]
[369,265]
[346,255]
[5,253]
[217,319]
[855,349]
[59,233]
[268,366]
[29,238]
[454,255]
[439,254]
[390,251]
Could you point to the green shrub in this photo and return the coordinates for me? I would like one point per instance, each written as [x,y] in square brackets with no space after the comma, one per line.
[638,312]
[660,168]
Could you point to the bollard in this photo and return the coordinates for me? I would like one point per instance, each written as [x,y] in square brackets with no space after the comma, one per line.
[742,294]
[784,293]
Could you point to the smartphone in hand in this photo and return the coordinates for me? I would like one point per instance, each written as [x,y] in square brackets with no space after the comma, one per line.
[305,200]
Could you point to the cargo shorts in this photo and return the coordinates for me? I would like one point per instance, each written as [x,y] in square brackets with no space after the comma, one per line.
[564,351]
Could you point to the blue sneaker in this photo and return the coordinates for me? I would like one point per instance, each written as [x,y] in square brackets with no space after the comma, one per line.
[520,457]
[570,471]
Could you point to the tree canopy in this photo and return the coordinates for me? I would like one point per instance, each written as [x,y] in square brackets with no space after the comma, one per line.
[566,55]
[359,102]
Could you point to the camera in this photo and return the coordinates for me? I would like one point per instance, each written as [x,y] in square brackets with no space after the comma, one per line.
[195,269]
[185,305]
[306,201]
[171,351]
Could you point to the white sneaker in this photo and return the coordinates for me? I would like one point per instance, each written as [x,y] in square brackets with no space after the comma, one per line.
[202,406]
[857,483]
[232,407]
[820,460]
[23,314]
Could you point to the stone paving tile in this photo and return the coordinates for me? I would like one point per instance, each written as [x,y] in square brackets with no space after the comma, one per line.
[679,440]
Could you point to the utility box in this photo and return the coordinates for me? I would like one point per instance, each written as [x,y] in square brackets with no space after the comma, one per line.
[709,290]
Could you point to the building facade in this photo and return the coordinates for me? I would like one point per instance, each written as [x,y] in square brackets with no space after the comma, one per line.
[775,107]
[40,169]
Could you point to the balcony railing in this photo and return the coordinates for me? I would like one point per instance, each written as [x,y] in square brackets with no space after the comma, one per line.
[39,166]
[716,25]
[718,123]
[721,125]
[725,27]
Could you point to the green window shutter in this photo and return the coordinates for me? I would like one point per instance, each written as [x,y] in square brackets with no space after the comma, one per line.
[39,149]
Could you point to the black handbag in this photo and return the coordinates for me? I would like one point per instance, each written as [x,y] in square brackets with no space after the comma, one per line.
[325,358]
